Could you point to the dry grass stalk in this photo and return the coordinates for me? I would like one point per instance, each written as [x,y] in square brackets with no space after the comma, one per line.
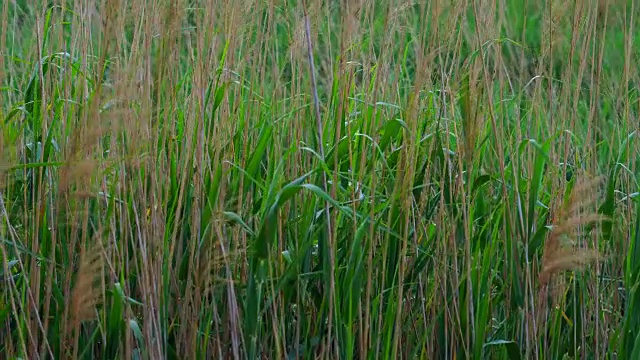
[560,252]
[555,22]
[472,115]
[86,294]
[4,168]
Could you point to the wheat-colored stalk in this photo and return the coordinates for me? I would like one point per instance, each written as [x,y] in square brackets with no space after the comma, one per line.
[560,252]
[86,294]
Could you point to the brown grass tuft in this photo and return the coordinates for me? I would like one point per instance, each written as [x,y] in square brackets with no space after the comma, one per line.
[86,294]
[560,250]
[555,23]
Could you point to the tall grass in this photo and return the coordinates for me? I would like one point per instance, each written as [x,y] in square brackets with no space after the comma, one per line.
[319,179]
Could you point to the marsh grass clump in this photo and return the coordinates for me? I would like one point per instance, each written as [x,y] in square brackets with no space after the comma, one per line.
[561,252]
[319,179]
[87,294]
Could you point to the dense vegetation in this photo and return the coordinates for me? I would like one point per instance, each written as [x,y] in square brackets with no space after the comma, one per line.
[320,179]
